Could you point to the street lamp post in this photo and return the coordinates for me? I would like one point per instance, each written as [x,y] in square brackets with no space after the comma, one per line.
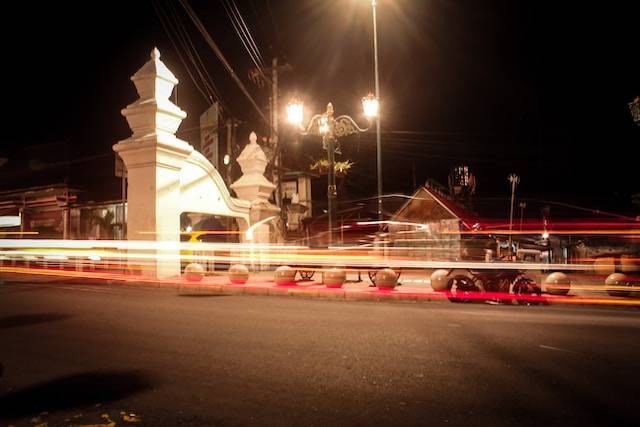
[514,180]
[330,128]
[377,87]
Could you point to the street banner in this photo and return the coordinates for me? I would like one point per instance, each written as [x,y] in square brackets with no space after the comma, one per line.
[209,134]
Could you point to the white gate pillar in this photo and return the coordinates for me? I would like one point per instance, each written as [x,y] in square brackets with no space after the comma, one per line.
[154,157]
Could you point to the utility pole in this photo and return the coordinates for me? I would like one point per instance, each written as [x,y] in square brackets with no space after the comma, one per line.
[522,206]
[378,140]
[274,119]
[514,180]
[229,124]
[274,131]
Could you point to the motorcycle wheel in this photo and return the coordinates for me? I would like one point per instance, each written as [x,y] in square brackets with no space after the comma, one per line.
[462,289]
[526,292]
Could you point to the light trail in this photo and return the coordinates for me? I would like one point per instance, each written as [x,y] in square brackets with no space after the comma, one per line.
[353,256]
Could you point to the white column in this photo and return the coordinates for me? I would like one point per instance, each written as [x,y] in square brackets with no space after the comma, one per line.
[154,157]
[256,189]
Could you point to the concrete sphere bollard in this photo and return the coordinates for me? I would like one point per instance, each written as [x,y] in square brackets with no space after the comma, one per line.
[194,272]
[613,282]
[386,279]
[285,276]
[557,283]
[439,280]
[334,277]
[238,274]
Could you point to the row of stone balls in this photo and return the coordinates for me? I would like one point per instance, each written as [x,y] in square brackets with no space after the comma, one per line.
[286,276]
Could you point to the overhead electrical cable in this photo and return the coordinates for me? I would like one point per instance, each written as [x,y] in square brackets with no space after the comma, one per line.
[162,18]
[244,43]
[245,37]
[253,55]
[177,30]
[246,31]
[195,57]
[218,52]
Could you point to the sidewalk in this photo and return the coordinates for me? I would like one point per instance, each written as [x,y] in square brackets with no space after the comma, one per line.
[414,287]
[259,283]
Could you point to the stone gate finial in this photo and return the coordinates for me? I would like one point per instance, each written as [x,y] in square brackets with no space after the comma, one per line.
[153,112]
[252,185]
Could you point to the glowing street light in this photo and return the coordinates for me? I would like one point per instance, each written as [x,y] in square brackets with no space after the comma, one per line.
[371,106]
[295,112]
[329,128]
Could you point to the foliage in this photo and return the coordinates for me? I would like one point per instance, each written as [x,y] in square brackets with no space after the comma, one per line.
[340,168]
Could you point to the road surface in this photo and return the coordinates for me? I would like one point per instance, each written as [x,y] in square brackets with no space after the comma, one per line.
[81,354]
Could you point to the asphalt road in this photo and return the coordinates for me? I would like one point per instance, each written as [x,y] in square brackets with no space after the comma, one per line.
[78,354]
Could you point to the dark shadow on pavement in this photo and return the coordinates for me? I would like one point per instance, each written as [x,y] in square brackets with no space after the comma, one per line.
[30,319]
[73,391]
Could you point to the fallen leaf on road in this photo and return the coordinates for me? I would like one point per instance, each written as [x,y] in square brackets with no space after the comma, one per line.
[130,418]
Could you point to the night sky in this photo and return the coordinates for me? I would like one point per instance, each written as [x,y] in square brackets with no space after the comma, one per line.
[537,88]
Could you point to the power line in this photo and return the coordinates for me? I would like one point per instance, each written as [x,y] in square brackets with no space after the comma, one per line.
[218,52]
[243,33]
[207,91]
[161,18]
[247,32]
[195,57]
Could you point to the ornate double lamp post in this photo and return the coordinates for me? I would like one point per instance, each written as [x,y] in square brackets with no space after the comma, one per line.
[330,128]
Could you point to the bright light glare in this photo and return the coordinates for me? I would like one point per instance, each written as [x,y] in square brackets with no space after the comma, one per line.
[371,106]
[323,126]
[295,111]
[545,235]
[226,159]
[10,221]
[188,229]
[249,233]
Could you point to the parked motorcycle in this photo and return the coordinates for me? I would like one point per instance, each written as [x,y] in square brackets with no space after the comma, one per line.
[502,286]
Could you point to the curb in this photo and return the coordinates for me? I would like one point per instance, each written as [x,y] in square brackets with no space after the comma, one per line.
[305,290]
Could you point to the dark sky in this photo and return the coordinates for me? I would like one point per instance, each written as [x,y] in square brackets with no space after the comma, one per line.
[534,87]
